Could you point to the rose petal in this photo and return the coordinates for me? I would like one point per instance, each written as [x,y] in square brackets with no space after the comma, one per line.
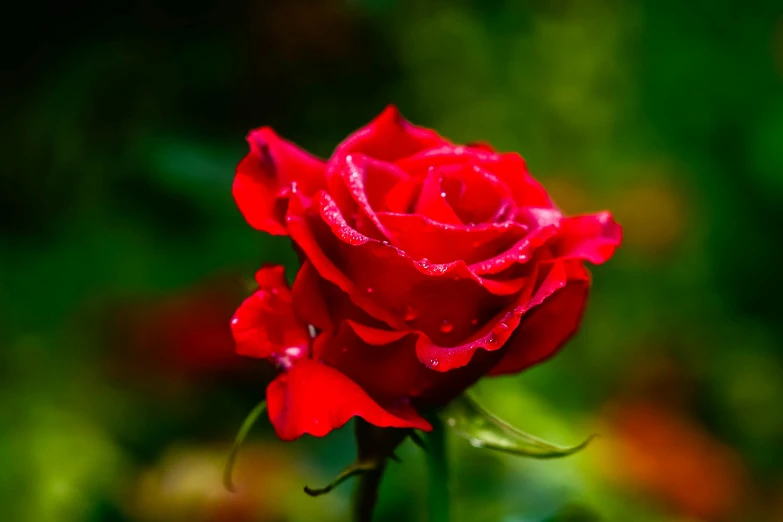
[476,195]
[385,365]
[265,324]
[315,399]
[498,331]
[521,252]
[432,201]
[308,300]
[593,237]
[311,295]
[265,179]
[304,228]
[421,237]
[442,295]
[389,137]
[509,168]
[546,328]
[363,185]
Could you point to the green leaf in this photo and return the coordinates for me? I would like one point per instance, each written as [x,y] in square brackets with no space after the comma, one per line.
[250,420]
[484,430]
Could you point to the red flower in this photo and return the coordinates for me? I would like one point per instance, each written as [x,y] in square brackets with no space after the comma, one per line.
[426,266]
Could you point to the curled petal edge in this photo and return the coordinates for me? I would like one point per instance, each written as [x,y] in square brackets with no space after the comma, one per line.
[312,398]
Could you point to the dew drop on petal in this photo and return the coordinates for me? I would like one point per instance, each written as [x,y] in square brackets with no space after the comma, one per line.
[369,290]
[293,351]
[443,194]
[502,327]
[434,362]
[446,326]
[235,320]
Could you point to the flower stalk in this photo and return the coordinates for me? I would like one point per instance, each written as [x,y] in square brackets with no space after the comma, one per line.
[438,487]
[366,493]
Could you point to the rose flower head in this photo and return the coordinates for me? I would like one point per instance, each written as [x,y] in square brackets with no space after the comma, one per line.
[425,266]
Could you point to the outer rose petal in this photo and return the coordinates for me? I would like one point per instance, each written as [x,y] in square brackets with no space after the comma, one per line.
[314,398]
[593,237]
[309,300]
[384,364]
[322,303]
[265,179]
[265,324]
[494,335]
[547,327]
[389,137]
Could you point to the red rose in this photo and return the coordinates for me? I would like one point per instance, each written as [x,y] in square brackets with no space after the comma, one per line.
[426,266]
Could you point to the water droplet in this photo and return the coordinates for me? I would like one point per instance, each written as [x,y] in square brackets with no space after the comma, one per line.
[293,351]
[502,327]
[385,243]
[369,290]
[446,326]
[451,421]
[294,188]
[492,340]
[409,313]
[234,320]
[443,194]
[434,363]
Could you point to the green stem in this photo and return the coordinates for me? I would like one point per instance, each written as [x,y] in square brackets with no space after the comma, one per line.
[248,423]
[366,493]
[438,473]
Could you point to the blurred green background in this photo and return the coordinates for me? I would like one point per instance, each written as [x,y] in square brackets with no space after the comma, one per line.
[123,256]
